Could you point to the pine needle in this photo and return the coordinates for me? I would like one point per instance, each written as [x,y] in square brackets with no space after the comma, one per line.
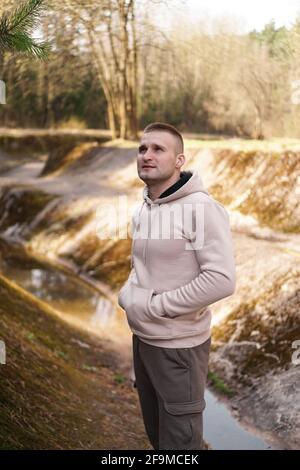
[16,29]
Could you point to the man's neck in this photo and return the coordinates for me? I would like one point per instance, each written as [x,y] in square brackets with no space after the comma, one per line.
[155,190]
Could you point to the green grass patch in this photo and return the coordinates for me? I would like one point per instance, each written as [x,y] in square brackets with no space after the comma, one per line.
[218,384]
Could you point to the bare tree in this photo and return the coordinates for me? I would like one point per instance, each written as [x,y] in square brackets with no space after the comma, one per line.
[110,30]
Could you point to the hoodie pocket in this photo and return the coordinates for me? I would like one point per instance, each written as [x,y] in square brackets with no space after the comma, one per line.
[135,301]
[141,320]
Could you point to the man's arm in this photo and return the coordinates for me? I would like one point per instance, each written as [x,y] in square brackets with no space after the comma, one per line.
[217,276]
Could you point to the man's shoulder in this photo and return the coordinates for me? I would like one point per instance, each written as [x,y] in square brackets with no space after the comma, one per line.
[198,197]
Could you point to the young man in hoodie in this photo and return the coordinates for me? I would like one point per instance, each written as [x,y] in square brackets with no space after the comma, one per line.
[182,261]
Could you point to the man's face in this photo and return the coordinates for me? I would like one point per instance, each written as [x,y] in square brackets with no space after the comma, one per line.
[157,156]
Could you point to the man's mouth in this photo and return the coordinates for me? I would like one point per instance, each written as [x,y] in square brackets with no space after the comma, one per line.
[148,166]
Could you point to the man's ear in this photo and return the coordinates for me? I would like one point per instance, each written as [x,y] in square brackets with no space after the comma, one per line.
[180,160]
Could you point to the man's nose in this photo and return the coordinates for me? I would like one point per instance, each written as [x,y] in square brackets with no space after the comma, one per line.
[148,154]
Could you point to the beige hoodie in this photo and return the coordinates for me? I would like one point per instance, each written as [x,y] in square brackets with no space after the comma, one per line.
[182,261]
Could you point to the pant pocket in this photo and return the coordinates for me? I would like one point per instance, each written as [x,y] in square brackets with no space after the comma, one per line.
[187,407]
[182,425]
[180,356]
[183,356]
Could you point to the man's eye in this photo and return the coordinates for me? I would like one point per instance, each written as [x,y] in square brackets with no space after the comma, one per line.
[143,149]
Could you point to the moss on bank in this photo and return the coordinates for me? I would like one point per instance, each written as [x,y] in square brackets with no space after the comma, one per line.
[218,384]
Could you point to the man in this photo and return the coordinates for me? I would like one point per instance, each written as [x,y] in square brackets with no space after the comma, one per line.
[182,261]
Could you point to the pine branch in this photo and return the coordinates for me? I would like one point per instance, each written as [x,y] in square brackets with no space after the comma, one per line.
[16,28]
[26,15]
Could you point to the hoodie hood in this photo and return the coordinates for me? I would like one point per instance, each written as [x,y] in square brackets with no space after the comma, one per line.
[193,185]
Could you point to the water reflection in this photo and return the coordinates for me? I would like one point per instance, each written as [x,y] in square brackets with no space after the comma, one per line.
[61,291]
[223,432]
[103,313]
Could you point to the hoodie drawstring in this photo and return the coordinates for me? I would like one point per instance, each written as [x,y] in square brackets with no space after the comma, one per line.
[145,244]
[149,231]
[138,226]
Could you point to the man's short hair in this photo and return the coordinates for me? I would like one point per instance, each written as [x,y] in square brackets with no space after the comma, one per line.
[163,126]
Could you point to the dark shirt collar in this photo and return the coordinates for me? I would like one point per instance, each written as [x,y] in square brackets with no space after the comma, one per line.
[184,177]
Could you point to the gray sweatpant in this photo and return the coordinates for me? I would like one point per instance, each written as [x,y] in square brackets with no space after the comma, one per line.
[171,384]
